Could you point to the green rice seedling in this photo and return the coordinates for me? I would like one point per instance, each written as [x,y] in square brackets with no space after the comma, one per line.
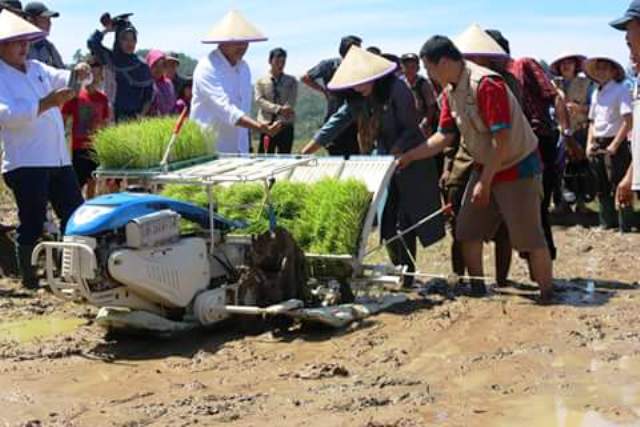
[141,144]
[325,217]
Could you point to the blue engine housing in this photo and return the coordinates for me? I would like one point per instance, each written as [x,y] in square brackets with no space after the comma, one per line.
[114,211]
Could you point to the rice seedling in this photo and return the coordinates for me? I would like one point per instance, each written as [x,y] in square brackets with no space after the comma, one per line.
[324,218]
[141,144]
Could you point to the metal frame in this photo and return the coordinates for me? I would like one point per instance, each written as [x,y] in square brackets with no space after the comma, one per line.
[230,169]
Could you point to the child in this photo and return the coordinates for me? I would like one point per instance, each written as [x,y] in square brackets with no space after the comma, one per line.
[184,96]
[607,144]
[88,111]
[163,101]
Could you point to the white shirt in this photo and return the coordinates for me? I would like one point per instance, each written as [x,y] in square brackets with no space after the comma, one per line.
[221,96]
[609,104]
[635,139]
[29,139]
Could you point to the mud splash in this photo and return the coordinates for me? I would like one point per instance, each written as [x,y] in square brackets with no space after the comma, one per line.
[25,331]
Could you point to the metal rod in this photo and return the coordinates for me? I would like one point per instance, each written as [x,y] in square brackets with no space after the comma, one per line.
[418,224]
[212,221]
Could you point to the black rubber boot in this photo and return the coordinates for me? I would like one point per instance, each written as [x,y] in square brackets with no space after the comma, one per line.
[27,271]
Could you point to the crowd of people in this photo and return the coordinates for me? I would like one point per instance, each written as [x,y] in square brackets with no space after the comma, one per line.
[498,138]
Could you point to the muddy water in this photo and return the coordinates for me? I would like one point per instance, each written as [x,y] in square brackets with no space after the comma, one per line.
[24,331]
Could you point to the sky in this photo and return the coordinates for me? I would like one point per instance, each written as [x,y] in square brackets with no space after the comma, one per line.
[311,30]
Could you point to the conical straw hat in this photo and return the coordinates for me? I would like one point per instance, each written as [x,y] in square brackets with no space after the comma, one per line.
[590,66]
[475,41]
[555,65]
[12,27]
[234,28]
[359,67]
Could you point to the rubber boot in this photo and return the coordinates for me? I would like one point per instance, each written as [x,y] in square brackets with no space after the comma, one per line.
[626,218]
[607,212]
[27,271]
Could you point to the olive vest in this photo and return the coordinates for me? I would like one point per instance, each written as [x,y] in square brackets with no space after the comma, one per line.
[477,136]
[578,92]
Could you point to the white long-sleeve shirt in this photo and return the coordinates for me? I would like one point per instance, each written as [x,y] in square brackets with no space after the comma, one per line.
[29,139]
[221,96]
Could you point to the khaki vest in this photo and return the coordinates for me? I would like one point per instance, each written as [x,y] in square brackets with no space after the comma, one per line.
[578,92]
[477,137]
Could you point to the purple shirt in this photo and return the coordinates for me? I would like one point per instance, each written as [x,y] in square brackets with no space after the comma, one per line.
[163,102]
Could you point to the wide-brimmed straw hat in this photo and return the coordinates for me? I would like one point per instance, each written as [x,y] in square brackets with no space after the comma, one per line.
[234,28]
[590,65]
[475,41]
[13,27]
[555,65]
[360,67]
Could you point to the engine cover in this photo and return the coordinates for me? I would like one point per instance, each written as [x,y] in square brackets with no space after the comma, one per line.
[169,275]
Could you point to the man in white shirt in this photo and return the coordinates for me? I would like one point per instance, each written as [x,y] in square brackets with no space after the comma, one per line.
[630,23]
[36,164]
[222,92]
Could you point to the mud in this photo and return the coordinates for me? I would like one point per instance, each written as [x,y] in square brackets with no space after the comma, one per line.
[439,359]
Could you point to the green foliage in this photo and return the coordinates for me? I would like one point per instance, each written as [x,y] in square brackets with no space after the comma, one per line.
[141,144]
[324,218]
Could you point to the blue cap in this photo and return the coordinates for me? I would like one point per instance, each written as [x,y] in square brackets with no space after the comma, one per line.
[632,13]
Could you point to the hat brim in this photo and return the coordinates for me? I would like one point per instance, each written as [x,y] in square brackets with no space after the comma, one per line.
[555,65]
[29,37]
[487,55]
[172,59]
[236,40]
[590,63]
[621,23]
[50,14]
[351,85]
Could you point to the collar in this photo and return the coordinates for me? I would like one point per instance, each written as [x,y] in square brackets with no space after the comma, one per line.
[5,67]
[608,85]
[225,61]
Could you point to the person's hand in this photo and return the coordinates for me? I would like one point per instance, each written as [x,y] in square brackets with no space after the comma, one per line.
[624,194]
[612,149]
[444,179]
[405,160]
[273,128]
[287,112]
[481,194]
[395,152]
[573,108]
[58,98]
[591,150]
[107,23]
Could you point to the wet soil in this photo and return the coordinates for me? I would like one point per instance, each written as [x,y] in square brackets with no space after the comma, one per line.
[502,360]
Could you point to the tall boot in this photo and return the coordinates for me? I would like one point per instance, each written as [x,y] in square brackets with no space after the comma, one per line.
[626,219]
[27,271]
[607,214]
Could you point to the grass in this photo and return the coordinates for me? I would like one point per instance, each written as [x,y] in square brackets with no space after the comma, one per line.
[324,218]
[141,144]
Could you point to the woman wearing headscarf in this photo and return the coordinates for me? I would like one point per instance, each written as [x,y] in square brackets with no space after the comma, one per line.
[134,84]
[575,91]
[387,120]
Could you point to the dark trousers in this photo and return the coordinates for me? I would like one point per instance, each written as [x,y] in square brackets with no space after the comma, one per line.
[33,188]
[403,251]
[609,171]
[282,143]
[549,152]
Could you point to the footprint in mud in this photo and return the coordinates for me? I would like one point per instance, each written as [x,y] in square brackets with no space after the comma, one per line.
[317,371]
